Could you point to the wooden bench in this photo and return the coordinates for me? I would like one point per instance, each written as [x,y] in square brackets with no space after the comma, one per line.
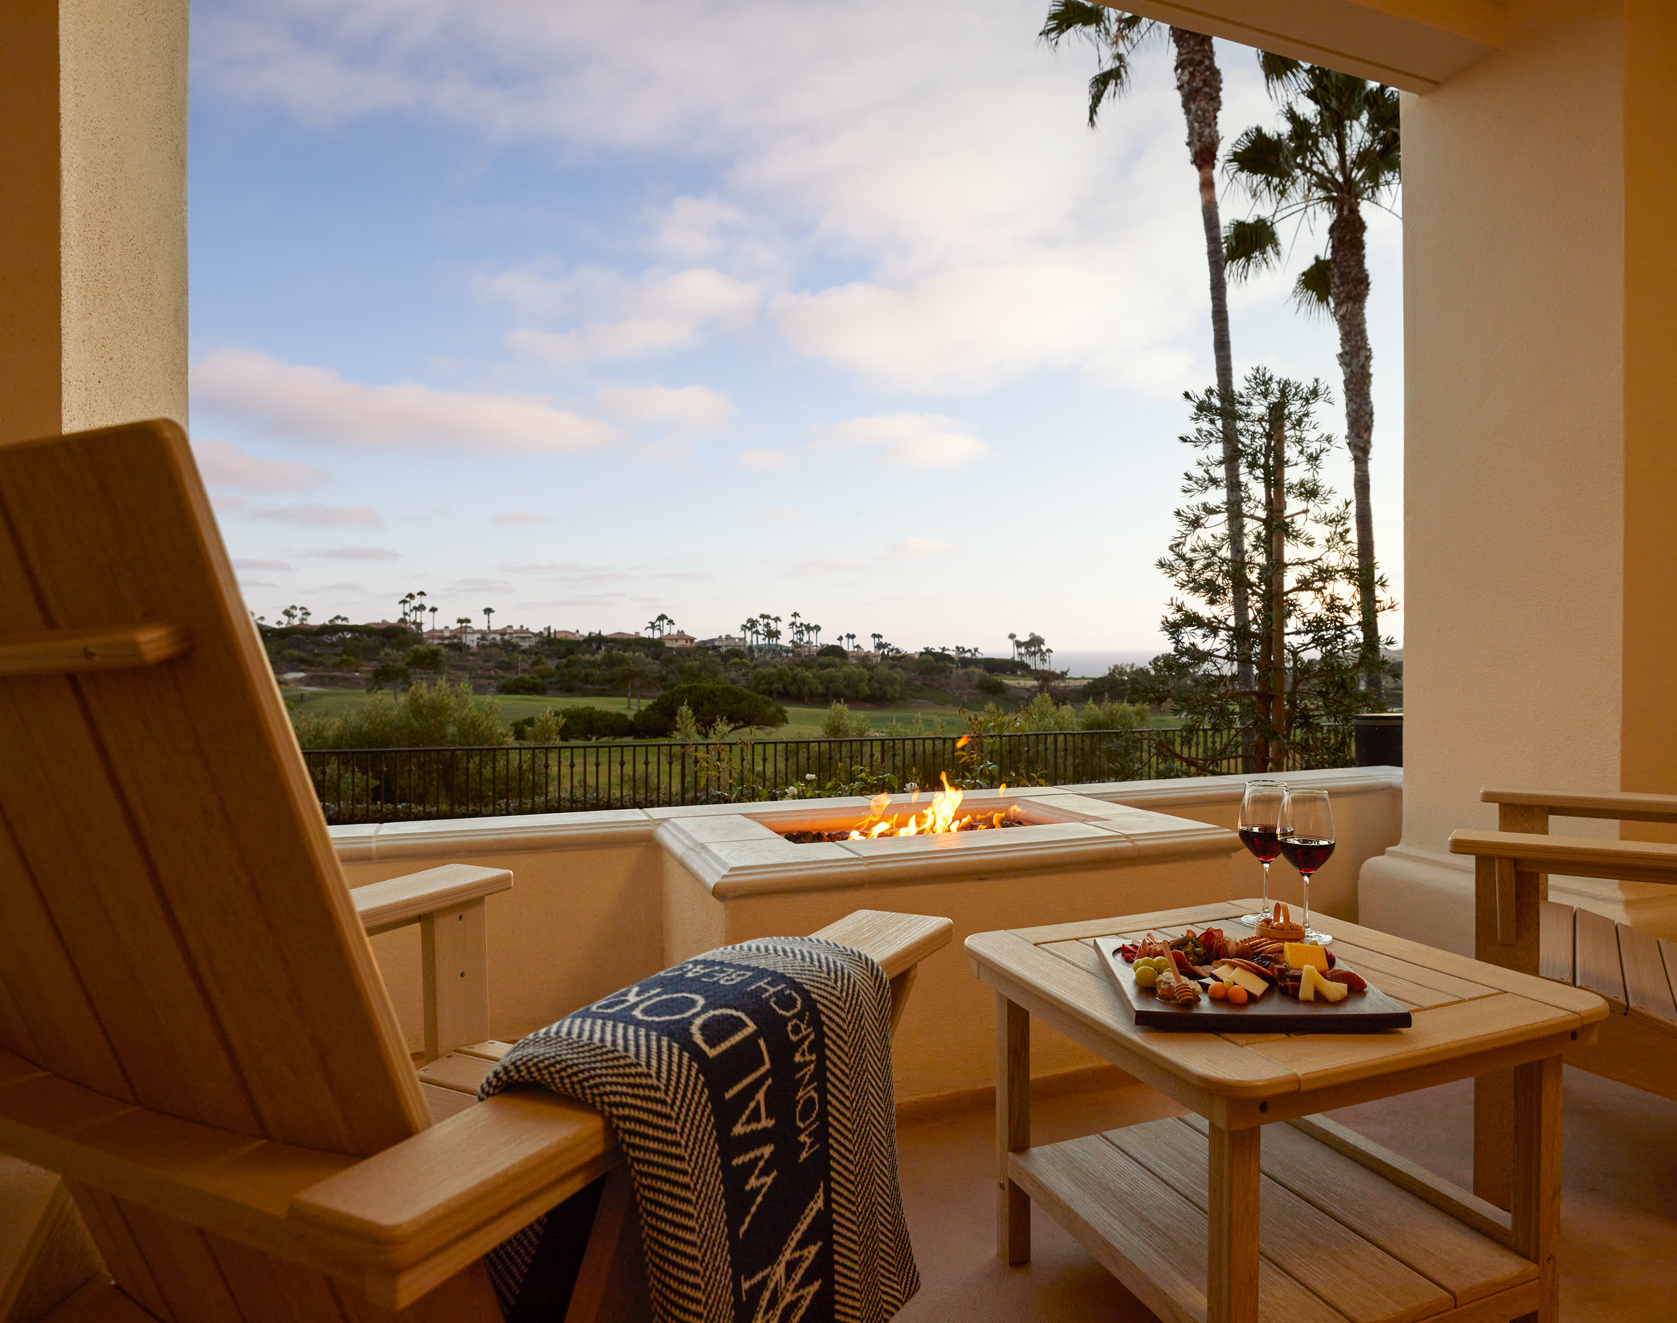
[1517,927]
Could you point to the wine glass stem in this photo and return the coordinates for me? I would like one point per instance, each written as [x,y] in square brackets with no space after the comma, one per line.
[1306,877]
[1265,908]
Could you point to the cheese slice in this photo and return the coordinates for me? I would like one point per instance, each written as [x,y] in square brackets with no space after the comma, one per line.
[1254,984]
[1312,981]
[1303,954]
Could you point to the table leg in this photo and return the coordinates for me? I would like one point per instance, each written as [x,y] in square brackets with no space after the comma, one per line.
[1232,1277]
[1536,1184]
[1013,1128]
[1493,1136]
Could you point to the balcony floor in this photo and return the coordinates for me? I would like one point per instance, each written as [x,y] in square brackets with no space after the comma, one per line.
[1618,1216]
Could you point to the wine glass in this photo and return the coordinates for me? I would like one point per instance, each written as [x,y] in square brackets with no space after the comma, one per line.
[1260,828]
[1307,841]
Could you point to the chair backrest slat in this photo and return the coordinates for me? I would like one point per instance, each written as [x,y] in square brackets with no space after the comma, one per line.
[191,944]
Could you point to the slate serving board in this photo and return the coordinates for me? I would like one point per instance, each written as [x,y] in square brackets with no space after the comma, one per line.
[1361,1012]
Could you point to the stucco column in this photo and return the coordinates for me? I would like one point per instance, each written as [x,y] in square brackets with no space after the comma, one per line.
[92,214]
[1541,570]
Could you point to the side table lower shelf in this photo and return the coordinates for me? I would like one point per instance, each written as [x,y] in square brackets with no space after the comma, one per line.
[1338,1241]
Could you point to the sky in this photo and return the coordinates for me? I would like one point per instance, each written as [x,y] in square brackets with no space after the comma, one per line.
[587,312]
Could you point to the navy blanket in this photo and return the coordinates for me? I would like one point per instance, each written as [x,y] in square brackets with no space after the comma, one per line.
[750,1089]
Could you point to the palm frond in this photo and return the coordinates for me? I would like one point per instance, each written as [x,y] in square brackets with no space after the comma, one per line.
[1263,162]
[1111,82]
[1283,75]
[1250,246]
[1068,17]
[1313,290]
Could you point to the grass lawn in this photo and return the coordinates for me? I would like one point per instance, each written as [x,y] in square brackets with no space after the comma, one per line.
[804,722]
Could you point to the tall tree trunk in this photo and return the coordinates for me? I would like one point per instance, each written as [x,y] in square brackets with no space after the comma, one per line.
[1348,291]
[1200,84]
[1277,658]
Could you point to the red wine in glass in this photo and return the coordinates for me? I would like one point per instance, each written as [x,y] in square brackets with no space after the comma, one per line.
[1261,830]
[1305,853]
[1263,841]
[1307,838]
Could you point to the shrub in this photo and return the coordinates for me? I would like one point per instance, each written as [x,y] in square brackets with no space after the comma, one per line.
[841,723]
[831,650]
[522,684]
[424,717]
[545,728]
[707,701]
[426,658]
[992,684]
[595,723]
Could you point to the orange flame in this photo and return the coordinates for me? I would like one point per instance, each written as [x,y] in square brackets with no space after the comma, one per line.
[941,818]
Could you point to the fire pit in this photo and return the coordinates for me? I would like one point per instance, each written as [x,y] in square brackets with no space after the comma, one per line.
[887,817]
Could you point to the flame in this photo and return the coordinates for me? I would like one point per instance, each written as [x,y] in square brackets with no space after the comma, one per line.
[941,818]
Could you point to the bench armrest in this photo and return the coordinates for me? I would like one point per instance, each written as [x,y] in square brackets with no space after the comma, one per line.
[1620,806]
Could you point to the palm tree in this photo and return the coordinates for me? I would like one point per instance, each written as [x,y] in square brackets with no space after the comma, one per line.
[1338,147]
[1116,34]
[488,618]
[433,620]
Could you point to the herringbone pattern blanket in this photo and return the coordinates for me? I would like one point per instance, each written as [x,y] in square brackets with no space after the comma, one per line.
[750,1089]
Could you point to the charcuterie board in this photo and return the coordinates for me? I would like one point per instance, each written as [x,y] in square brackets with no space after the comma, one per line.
[1362,1012]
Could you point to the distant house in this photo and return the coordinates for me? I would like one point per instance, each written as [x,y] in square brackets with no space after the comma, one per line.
[723,641]
[621,635]
[679,638]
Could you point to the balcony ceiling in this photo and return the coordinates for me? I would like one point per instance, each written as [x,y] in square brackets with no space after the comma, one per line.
[1411,44]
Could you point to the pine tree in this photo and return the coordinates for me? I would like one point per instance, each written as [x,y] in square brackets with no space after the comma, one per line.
[1302,582]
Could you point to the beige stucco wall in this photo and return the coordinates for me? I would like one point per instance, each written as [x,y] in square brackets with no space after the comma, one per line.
[93,214]
[1513,304]
[123,131]
[597,903]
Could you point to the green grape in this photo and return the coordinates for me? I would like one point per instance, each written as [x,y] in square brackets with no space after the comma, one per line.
[1145,976]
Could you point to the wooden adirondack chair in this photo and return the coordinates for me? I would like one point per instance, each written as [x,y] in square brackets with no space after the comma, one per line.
[1518,927]
[192,1029]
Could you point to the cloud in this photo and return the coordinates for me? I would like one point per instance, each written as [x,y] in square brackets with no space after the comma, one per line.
[323,516]
[918,548]
[765,461]
[690,408]
[519,518]
[260,565]
[825,565]
[696,229]
[224,464]
[315,404]
[655,314]
[256,583]
[777,512]
[477,585]
[567,570]
[356,553]
[227,503]
[905,440]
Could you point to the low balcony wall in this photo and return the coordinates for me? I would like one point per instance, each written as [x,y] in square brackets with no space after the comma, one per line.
[601,899]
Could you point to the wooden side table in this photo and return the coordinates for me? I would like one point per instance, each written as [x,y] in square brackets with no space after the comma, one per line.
[1210,1217]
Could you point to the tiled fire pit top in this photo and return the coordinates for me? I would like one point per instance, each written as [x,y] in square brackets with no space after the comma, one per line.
[738,849]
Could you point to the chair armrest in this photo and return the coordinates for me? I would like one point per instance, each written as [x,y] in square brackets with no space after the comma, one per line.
[408,899]
[396,1224]
[1575,856]
[1623,807]
[422,1210]
[897,941]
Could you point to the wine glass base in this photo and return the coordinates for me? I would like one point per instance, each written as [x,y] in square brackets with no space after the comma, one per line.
[1315,938]
[1253,920]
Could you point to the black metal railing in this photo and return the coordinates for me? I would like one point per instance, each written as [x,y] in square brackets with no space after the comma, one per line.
[397,785]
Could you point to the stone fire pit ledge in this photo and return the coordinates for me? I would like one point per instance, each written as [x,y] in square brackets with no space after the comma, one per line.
[741,852]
